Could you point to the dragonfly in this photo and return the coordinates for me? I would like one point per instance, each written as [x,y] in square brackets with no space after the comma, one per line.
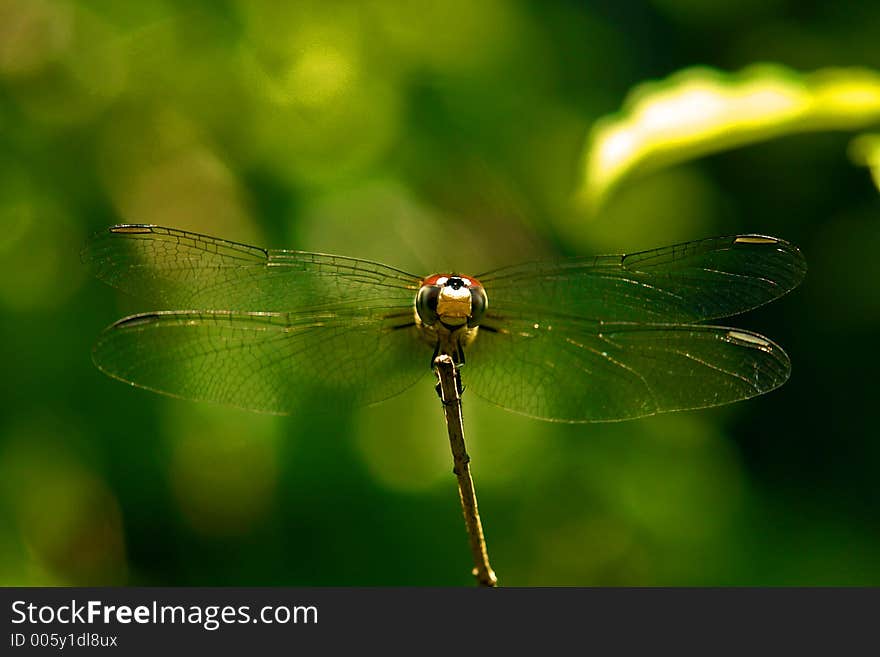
[579,339]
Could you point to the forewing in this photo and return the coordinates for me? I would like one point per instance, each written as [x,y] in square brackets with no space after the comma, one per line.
[588,372]
[688,282]
[181,270]
[265,362]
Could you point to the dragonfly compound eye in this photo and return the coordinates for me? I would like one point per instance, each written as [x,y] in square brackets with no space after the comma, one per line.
[479,303]
[426,304]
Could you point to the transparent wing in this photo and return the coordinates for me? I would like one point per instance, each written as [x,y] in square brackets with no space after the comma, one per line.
[265,362]
[688,282]
[593,371]
[181,270]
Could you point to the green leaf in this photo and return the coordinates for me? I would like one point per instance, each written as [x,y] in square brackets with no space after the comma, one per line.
[865,150]
[699,111]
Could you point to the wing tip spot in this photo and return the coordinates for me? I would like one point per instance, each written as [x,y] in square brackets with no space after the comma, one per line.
[755,239]
[750,338]
[132,229]
[136,320]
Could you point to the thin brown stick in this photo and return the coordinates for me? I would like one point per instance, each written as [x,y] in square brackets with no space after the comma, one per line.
[450,393]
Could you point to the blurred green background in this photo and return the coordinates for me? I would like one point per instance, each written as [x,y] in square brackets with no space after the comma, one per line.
[429,136]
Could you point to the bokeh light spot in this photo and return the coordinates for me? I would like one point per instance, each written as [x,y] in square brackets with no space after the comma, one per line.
[158,170]
[319,75]
[403,442]
[40,266]
[69,520]
[224,467]
[32,34]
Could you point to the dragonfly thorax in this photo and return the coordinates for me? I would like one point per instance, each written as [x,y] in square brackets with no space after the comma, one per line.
[451,300]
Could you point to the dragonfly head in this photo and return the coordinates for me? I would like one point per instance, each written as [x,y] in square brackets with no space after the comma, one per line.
[452,300]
